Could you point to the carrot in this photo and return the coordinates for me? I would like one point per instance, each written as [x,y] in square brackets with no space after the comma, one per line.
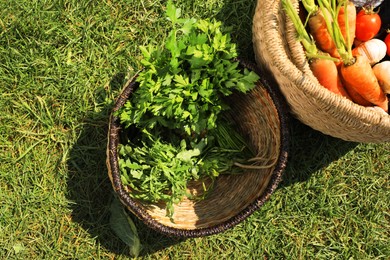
[318,28]
[321,34]
[356,71]
[321,64]
[359,77]
[327,75]
[350,18]
[357,98]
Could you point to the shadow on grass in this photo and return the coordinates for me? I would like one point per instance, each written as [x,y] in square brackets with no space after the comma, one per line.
[310,151]
[90,190]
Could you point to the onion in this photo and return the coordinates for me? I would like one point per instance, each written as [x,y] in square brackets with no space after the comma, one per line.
[374,50]
[382,73]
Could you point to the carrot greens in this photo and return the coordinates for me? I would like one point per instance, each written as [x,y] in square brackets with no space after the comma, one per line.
[304,37]
[332,8]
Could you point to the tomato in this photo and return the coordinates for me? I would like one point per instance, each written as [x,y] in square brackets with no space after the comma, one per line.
[368,24]
[387,41]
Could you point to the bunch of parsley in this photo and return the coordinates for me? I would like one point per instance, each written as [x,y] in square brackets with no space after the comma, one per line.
[178,111]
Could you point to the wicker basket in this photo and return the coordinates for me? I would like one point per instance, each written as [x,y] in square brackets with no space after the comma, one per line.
[260,115]
[277,51]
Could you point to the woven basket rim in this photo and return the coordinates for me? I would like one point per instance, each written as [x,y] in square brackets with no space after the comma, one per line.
[112,164]
[270,44]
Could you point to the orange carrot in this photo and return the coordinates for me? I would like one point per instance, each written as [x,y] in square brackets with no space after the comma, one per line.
[318,27]
[351,18]
[356,72]
[321,64]
[359,77]
[358,99]
[320,33]
[327,74]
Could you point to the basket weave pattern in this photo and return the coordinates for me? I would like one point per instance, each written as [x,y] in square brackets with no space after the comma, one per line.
[260,116]
[278,51]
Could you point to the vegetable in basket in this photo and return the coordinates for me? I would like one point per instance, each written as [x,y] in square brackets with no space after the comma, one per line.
[356,71]
[335,27]
[368,24]
[346,19]
[374,50]
[382,73]
[387,42]
[177,115]
[321,63]
[317,27]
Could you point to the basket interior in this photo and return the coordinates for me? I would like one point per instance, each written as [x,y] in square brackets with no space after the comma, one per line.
[233,197]
[231,194]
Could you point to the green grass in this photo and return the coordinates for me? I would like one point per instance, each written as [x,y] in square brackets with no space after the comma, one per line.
[62,63]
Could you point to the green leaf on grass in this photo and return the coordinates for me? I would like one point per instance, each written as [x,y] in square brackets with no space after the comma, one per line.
[124,227]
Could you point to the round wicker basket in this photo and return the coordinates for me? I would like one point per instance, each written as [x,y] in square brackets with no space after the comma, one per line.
[279,53]
[261,117]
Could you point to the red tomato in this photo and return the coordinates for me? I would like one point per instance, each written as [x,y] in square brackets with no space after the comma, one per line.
[387,41]
[368,24]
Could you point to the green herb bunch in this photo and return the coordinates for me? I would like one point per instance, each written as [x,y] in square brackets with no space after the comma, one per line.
[182,84]
[176,108]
